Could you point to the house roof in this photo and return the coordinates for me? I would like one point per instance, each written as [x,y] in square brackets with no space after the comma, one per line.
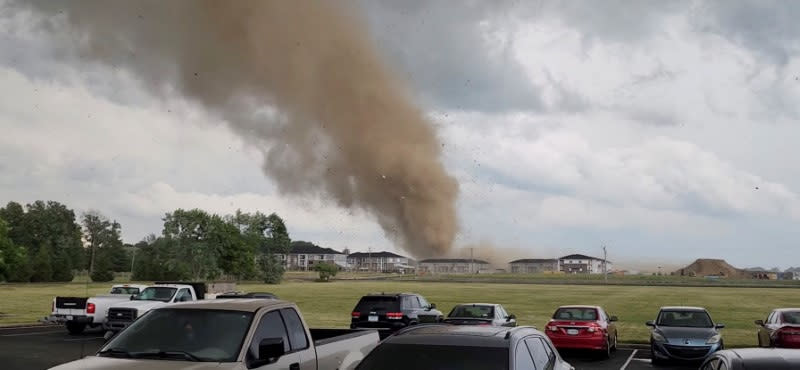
[454,260]
[535,260]
[301,247]
[580,257]
[374,255]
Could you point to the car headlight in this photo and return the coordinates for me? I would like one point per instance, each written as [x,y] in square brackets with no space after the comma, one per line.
[714,340]
[658,337]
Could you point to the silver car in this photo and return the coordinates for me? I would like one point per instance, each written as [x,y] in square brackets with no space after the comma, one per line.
[485,314]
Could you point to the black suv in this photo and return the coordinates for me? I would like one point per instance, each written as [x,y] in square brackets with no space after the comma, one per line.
[393,311]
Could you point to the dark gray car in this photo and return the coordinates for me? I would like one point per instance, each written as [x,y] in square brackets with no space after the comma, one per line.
[437,347]
[487,314]
[684,333]
[753,358]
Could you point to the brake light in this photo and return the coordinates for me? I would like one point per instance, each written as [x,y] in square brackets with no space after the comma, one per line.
[552,327]
[595,328]
[90,308]
[394,315]
[356,315]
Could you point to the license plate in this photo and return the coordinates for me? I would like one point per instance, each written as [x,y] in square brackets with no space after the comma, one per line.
[69,317]
[373,319]
[572,331]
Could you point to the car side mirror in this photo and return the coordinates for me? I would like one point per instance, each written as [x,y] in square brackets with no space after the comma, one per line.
[432,306]
[108,335]
[132,296]
[651,323]
[270,350]
[511,317]
[719,326]
[613,319]
[759,322]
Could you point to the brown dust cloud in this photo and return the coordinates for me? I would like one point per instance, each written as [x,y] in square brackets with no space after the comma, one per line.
[302,81]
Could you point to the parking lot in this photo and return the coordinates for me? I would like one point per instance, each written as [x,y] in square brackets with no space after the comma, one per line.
[41,347]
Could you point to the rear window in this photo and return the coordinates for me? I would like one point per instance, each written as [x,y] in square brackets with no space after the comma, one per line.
[378,303]
[791,317]
[685,319]
[576,314]
[476,312]
[430,357]
[124,290]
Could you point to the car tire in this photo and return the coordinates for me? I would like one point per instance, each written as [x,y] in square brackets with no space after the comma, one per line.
[653,358]
[615,343]
[75,328]
[606,352]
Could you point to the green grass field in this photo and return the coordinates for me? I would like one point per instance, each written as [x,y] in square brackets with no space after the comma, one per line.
[330,304]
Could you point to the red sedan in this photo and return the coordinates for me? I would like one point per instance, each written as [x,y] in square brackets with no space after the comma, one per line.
[583,327]
[780,329]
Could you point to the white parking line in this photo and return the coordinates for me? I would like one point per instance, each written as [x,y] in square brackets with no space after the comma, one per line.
[36,333]
[630,358]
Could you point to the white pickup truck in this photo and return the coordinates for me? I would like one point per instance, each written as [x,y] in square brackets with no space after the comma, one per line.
[161,294]
[79,312]
[229,334]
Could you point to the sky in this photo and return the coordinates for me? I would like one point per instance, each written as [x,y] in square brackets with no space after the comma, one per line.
[663,130]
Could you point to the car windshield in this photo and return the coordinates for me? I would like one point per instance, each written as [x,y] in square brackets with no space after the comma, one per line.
[124,290]
[470,311]
[163,294]
[576,314]
[685,319]
[791,317]
[378,303]
[435,357]
[196,335]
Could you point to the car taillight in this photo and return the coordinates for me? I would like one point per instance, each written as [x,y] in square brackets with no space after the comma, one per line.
[90,308]
[595,328]
[356,315]
[788,332]
[394,315]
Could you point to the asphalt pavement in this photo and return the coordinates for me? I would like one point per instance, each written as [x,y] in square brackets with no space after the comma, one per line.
[42,347]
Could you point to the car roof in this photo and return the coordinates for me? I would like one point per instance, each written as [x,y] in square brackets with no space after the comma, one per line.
[682,308]
[233,304]
[786,309]
[458,335]
[579,306]
[764,358]
[388,294]
[477,304]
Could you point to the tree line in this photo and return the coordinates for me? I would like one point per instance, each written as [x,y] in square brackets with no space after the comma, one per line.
[43,241]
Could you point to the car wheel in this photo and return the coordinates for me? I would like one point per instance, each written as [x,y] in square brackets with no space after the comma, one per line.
[606,352]
[615,342]
[75,328]
[653,359]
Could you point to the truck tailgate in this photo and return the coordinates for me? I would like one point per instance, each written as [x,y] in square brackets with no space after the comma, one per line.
[70,306]
[342,348]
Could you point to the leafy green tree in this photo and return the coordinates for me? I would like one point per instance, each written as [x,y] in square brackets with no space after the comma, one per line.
[194,251]
[237,258]
[42,265]
[326,271]
[271,269]
[61,266]
[102,269]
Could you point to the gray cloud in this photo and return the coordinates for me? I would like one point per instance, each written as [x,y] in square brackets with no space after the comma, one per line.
[443,50]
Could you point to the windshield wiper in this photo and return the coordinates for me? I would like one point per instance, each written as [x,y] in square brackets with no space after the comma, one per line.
[170,354]
[115,352]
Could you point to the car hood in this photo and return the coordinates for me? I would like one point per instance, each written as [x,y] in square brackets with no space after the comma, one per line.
[676,335]
[139,305]
[103,363]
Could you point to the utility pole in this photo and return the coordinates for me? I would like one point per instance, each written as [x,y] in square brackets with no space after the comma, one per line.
[605,264]
[133,260]
[471,262]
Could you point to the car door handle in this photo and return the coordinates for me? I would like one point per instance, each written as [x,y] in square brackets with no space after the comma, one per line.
[294,366]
